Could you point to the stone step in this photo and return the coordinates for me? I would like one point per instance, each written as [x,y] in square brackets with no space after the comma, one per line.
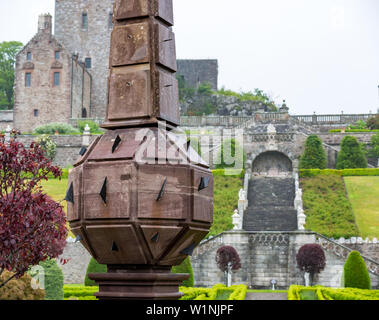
[270,219]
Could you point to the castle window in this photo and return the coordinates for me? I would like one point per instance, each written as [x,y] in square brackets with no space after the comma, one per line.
[57,78]
[88,63]
[84,21]
[28,79]
[36,112]
[57,55]
[29,56]
[110,20]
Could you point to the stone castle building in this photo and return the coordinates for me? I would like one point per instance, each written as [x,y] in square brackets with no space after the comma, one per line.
[63,77]
[51,85]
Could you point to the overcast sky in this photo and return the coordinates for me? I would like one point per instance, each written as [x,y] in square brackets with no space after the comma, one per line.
[319,55]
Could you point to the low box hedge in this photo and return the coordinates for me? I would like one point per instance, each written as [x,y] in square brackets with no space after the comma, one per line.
[217,292]
[323,293]
[305,173]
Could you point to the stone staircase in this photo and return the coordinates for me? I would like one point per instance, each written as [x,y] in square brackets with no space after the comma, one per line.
[271,205]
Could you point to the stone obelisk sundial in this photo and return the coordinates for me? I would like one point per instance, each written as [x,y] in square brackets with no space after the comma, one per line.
[139,200]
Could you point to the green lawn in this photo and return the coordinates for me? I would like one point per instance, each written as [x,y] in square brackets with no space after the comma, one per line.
[363,194]
[327,208]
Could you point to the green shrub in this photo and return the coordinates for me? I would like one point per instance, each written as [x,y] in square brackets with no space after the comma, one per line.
[185,267]
[19,289]
[351,155]
[327,207]
[52,128]
[355,272]
[94,127]
[54,280]
[94,267]
[314,156]
[47,145]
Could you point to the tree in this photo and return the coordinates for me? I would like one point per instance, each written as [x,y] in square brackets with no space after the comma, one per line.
[32,225]
[373,123]
[314,156]
[232,155]
[311,260]
[351,155]
[228,260]
[47,145]
[373,148]
[355,272]
[8,52]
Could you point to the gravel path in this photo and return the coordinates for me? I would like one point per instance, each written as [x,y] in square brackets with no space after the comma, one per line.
[266,296]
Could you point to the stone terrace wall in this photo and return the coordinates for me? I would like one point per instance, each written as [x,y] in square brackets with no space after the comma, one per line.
[265,256]
[68,147]
[78,257]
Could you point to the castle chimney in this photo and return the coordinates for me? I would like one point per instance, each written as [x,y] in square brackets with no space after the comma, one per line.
[45,23]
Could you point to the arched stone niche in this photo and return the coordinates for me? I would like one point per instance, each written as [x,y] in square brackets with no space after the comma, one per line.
[272,164]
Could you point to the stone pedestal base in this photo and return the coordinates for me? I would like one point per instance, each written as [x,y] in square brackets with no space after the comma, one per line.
[138,285]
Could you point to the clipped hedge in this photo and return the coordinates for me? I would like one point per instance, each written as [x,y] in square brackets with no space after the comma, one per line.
[305,173]
[217,292]
[80,292]
[355,272]
[323,293]
[353,131]
[94,267]
[185,267]
[229,172]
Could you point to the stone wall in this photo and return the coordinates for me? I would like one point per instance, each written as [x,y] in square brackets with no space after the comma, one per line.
[74,271]
[266,256]
[6,119]
[68,147]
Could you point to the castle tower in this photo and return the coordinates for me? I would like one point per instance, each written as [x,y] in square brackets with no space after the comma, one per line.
[84,27]
[45,23]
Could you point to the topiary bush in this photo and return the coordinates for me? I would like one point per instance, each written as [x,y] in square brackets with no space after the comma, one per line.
[54,280]
[94,267]
[185,267]
[355,272]
[19,289]
[314,156]
[53,128]
[351,155]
